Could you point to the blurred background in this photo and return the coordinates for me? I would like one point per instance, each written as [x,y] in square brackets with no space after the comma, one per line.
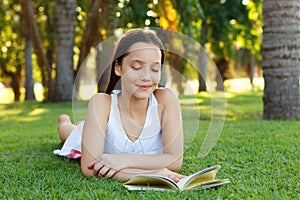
[44,44]
[37,38]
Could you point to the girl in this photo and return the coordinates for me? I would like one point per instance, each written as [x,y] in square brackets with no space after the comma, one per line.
[136,128]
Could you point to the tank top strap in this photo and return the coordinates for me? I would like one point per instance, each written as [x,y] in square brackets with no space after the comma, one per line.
[114,96]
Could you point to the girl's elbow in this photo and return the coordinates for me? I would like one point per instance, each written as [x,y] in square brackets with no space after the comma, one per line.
[176,166]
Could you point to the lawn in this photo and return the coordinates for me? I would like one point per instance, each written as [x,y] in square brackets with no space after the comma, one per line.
[261,158]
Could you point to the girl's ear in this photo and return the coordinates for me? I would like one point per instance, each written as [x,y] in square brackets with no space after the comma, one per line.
[117,69]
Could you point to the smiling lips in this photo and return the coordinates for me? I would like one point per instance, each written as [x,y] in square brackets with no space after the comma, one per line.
[145,87]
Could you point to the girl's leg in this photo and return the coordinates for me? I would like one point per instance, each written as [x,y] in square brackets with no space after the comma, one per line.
[65,127]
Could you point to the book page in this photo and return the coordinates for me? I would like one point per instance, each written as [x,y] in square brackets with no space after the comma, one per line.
[148,182]
[214,183]
[210,176]
[198,177]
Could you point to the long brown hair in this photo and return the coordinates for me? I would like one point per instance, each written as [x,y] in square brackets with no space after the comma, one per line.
[121,50]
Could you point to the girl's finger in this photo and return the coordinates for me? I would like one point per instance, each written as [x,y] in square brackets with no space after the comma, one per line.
[98,166]
[103,171]
[111,173]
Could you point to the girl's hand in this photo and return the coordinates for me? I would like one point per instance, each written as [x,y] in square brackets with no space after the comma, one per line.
[169,174]
[102,170]
[114,161]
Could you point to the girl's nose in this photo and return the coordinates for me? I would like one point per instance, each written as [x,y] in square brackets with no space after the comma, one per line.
[146,75]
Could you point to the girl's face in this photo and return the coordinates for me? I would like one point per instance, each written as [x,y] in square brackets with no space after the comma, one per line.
[141,70]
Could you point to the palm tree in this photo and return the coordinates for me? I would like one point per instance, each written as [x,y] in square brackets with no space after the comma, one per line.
[65,32]
[281,59]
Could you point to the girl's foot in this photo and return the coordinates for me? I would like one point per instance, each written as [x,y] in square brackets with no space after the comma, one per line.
[65,127]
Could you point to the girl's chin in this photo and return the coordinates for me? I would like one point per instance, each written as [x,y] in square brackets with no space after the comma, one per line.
[142,94]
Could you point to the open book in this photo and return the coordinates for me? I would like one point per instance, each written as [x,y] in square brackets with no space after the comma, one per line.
[200,180]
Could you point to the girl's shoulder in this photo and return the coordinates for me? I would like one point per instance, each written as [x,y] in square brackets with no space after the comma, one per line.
[101,101]
[102,98]
[165,96]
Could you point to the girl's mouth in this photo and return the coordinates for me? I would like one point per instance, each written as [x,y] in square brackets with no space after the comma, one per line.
[145,87]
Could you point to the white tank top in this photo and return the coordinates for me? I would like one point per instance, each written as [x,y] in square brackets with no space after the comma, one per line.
[116,140]
[150,139]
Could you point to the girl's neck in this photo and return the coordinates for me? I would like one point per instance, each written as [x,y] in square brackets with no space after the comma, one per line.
[133,105]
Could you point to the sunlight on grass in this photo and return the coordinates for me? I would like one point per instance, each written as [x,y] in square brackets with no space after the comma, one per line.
[8,112]
[37,111]
[230,85]
[29,119]
[243,84]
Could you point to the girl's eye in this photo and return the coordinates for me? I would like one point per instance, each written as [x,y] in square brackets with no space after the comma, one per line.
[156,70]
[135,67]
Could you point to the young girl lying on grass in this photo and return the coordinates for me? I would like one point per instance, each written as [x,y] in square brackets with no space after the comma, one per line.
[134,129]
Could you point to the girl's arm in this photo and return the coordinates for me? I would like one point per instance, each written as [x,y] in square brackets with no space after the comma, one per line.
[94,131]
[172,134]
[126,174]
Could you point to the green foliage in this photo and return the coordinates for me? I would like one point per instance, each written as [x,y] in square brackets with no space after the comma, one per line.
[133,14]
[261,158]
[225,25]
[11,43]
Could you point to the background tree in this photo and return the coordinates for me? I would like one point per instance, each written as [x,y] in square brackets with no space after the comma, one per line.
[220,26]
[227,24]
[35,37]
[26,16]
[100,24]
[281,59]
[29,83]
[191,20]
[12,47]
[65,34]
[91,34]
[108,25]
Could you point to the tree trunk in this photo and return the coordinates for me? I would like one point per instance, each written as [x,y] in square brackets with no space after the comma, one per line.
[29,83]
[16,83]
[15,77]
[91,35]
[202,70]
[175,61]
[103,67]
[108,22]
[65,34]
[222,74]
[252,71]
[281,59]
[33,34]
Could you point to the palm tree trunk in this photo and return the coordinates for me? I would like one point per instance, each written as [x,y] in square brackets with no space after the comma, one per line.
[65,28]
[281,59]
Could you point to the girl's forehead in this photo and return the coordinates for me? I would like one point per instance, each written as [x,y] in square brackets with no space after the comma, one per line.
[143,46]
[144,51]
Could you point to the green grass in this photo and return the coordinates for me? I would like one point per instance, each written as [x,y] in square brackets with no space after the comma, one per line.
[261,158]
